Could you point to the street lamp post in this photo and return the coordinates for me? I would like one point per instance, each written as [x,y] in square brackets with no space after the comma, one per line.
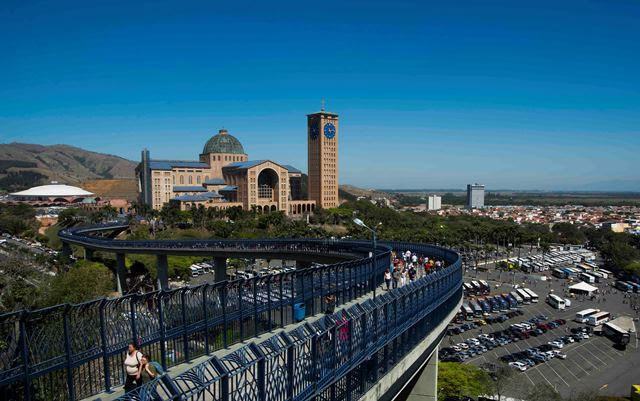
[374,234]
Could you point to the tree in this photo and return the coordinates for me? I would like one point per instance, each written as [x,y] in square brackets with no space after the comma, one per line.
[504,380]
[82,282]
[457,380]
[633,268]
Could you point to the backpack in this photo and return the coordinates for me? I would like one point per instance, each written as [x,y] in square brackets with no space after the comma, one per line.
[158,367]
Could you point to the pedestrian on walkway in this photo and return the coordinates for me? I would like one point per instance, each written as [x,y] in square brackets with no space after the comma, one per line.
[387,279]
[132,367]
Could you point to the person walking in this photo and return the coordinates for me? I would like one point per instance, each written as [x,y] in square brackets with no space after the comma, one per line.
[132,367]
[387,279]
[147,371]
[396,277]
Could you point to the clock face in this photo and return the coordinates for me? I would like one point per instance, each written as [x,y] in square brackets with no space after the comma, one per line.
[314,131]
[329,130]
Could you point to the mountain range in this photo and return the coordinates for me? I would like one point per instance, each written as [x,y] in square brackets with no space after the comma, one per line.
[24,165]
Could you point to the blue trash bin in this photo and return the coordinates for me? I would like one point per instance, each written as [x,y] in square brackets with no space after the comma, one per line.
[298,312]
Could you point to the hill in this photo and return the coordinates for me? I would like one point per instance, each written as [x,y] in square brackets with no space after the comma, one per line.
[124,188]
[24,165]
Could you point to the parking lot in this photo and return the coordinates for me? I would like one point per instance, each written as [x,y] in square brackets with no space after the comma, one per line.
[592,363]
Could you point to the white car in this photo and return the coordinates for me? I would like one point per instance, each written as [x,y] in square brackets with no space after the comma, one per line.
[473,341]
[584,336]
[560,355]
[556,344]
[462,346]
[518,365]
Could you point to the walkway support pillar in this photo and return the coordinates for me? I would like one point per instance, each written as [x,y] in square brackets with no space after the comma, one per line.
[88,254]
[220,266]
[121,273]
[163,272]
[426,388]
[66,250]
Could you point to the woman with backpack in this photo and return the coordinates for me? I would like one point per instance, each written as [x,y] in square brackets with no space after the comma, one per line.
[132,367]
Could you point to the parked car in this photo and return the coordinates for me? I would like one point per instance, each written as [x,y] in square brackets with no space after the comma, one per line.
[518,365]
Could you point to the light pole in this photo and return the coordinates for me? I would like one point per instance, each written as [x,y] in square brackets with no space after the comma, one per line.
[374,234]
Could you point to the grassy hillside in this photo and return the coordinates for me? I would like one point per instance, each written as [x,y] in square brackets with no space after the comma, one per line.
[24,165]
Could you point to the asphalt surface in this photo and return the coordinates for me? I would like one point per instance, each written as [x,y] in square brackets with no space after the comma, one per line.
[590,364]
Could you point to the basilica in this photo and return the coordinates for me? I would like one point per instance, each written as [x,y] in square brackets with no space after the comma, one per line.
[225,177]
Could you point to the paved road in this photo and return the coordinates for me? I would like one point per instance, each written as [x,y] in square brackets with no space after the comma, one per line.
[590,364]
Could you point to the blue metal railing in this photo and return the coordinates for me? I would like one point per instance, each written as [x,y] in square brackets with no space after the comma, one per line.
[338,357]
[69,352]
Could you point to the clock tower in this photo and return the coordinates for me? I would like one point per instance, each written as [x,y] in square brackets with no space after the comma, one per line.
[322,137]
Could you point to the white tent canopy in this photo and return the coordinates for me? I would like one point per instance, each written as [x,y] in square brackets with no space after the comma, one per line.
[583,287]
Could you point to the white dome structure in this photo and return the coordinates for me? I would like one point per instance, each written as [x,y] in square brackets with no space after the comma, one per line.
[51,194]
[56,190]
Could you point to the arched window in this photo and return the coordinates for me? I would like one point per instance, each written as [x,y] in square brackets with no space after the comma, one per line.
[182,179]
[198,179]
[190,179]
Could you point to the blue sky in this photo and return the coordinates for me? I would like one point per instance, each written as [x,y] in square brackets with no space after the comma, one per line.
[522,95]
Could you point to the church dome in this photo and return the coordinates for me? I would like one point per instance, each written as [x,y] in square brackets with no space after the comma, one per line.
[223,143]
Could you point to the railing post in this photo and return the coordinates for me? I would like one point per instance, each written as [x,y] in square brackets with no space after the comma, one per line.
[205,318]
[185,334]
[255,306]
[163,332]
[281,285]
[313,294]
[290,370]
[24,344]
[223,300]
[105,354]
[132,316]
[241,308]
[67,348]
[262,383]
[269,302]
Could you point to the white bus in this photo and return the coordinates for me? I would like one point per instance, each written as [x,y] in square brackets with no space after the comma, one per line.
[598,318]
[555,301]
[517,297]
[588,278]
[526,298]
[583,315]
[606,273]
[533,295]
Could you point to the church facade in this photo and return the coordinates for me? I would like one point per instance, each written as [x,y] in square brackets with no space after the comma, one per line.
[224,176]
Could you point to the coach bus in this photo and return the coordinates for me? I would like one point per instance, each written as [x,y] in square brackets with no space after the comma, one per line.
[485,286]
[517,297]
[616,334]
[468,312]
[555,301]
[477,287]
[624,286]
[533,295]
[468,289]
[526,298]
[607,273]
[477,309]
[583,315]
[587,278]
[598,318]
[560,273]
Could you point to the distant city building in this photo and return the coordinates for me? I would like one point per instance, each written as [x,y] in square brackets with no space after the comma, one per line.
[475,196]
[616,227]
[224,177]
[434,202]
